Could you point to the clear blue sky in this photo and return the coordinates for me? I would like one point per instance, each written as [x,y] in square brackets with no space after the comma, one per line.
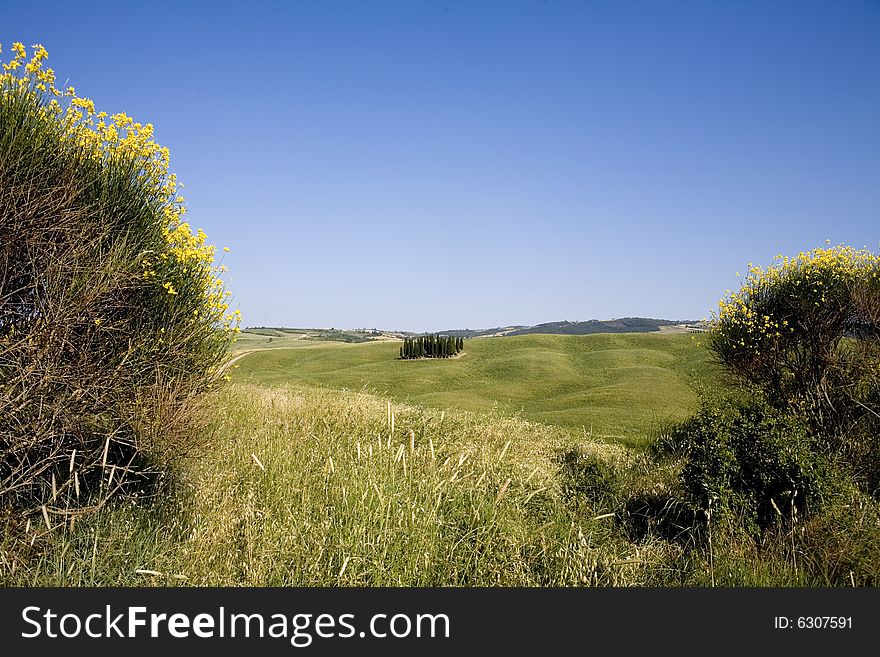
[432,165]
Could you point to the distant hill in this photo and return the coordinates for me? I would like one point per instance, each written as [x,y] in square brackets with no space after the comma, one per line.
[622,325]
[316,334]
[477,333]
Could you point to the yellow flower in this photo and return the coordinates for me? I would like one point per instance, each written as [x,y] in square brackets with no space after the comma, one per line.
[123,136]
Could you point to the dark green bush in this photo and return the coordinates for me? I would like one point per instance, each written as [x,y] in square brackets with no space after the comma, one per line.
[753,461]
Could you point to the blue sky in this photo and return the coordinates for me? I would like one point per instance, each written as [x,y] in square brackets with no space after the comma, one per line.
[432,165]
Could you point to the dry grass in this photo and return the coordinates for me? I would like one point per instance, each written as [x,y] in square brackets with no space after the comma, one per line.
[313,487]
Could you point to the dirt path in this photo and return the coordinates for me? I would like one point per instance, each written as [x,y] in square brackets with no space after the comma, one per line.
[232,360]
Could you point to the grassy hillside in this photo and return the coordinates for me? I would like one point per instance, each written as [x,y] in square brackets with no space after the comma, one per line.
[305,486]
[310,487]
[618,386]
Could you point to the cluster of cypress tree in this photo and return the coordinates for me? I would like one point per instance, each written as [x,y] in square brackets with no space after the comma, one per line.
[431,346]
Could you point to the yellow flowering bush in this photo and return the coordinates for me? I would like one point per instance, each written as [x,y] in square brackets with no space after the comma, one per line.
[113,315]
[805,331]
[109,139]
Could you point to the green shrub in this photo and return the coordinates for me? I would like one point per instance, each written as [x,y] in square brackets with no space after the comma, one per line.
[112,318]
[752,461]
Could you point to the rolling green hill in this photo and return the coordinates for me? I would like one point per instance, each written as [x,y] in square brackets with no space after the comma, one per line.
[617,386]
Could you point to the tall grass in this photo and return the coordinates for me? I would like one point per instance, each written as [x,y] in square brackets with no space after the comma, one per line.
[312,487]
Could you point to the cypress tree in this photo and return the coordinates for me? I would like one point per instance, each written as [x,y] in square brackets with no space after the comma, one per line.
[431,345]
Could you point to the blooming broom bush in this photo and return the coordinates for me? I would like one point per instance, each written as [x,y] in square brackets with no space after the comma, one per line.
[802,338]
[113,318]
[805,332]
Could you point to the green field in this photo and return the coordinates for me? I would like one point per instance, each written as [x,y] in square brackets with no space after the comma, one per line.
[620,387]
[269,338]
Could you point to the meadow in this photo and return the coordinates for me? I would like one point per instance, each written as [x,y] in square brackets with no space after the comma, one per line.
[309,480]
[309,486]
[337,464]
[614,387]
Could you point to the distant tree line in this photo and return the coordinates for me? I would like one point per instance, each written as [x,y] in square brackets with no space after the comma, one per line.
[431,346]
